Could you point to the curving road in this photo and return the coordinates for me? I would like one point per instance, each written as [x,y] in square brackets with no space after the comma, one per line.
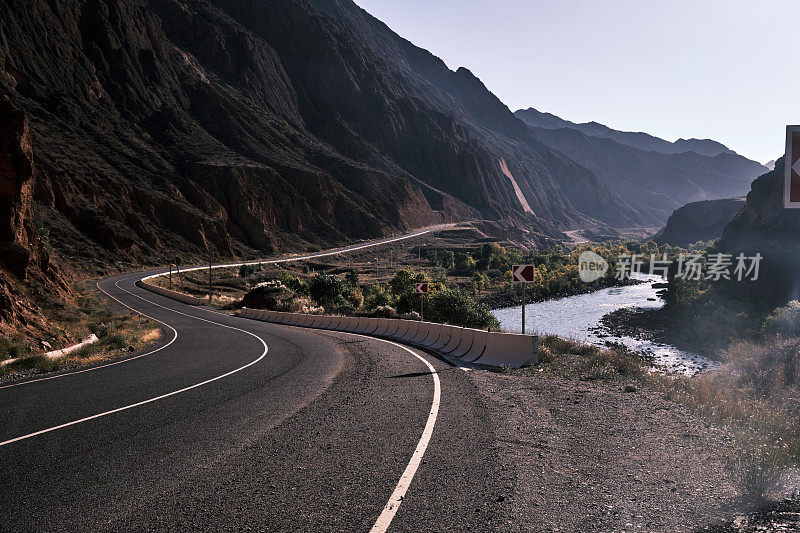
[233,424]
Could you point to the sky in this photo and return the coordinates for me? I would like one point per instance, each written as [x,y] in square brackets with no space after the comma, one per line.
[718,69]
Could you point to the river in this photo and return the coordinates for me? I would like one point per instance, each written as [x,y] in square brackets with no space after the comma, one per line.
[578,317]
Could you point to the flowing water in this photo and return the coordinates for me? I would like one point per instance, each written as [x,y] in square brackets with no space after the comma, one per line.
[578,317]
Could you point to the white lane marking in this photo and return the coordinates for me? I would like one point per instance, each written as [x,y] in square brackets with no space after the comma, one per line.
[175,333]
[98,367]
[391,507]
[161,397]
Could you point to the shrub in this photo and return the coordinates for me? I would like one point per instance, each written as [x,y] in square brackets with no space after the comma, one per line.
[328,291]
[99,329]
[354,297]
[384,311]
[38,362]
[245,271]
[783,321]
[457,308]
[376,296]
[114,341]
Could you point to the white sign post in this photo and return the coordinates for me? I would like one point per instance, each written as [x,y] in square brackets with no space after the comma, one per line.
[422,290]
[523,274]
[791,171]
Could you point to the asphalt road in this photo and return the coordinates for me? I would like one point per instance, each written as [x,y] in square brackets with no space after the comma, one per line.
[233,424]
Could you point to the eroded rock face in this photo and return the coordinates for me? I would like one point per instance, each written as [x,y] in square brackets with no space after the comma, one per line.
[26,271]
[166,127]
[18,240]
[699,221]
[764,226]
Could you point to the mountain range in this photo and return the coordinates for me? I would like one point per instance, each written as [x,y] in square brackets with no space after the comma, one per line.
[232,127]
[658,175]
[138,131]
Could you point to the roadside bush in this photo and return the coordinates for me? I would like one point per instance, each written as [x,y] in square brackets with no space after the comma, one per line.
[384,311]
[784,321]
[38,362]
[327,291]
[245,271]
[455,307]
[376,296]
[99,329]
[354,297]
[12,350]
[114,341]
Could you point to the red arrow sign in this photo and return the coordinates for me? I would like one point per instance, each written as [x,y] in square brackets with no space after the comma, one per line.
[791,163]
[523,273]
[422,288]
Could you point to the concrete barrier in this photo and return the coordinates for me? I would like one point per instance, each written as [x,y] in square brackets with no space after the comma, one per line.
[466,344]
[372,326]
[436,331]
[478,346]
[510,349]
[175,295]
[467,337]
[455,340]
[383,325]
[402,329]
[423,330]
[362,325]
[444,338]
[391,329]
[411,331]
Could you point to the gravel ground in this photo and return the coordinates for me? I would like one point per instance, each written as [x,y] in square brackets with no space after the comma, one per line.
[591,457]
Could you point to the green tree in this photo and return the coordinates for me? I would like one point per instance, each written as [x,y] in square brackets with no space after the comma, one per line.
[352,277]
[457,308]
[327,291]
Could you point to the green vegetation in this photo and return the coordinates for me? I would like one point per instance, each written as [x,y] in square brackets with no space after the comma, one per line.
[754,394]
[577,360]
[398,297]
[489,269]
[116,333]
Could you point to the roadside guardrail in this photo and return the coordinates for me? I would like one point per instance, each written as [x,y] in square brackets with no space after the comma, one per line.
[466,345]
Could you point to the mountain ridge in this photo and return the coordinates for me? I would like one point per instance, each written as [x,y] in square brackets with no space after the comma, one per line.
[636,139]
[658,181]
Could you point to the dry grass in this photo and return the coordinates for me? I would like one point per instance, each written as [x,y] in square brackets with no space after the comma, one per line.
[578,360]
[117,334]
[756,394]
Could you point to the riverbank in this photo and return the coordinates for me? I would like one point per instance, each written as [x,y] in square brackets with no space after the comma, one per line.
[581,318]
[597,443]
[657,326]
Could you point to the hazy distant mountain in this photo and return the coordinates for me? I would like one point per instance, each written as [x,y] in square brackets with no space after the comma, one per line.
[640,140]
[662,179]
[770,164]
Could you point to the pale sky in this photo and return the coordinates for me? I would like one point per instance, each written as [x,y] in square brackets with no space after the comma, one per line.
[719,69]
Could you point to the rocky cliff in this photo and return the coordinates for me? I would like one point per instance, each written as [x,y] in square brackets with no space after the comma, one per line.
[699,221]
[764,226]
[231,127]
[26,269]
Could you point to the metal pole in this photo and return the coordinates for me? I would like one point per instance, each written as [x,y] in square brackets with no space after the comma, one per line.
[170,276]
[523,307]
[422,306]
[209,281]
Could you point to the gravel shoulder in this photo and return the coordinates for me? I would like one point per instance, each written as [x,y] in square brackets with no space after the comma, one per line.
[589,456]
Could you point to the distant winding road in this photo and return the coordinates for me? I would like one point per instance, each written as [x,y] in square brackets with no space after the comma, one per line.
[232,424]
